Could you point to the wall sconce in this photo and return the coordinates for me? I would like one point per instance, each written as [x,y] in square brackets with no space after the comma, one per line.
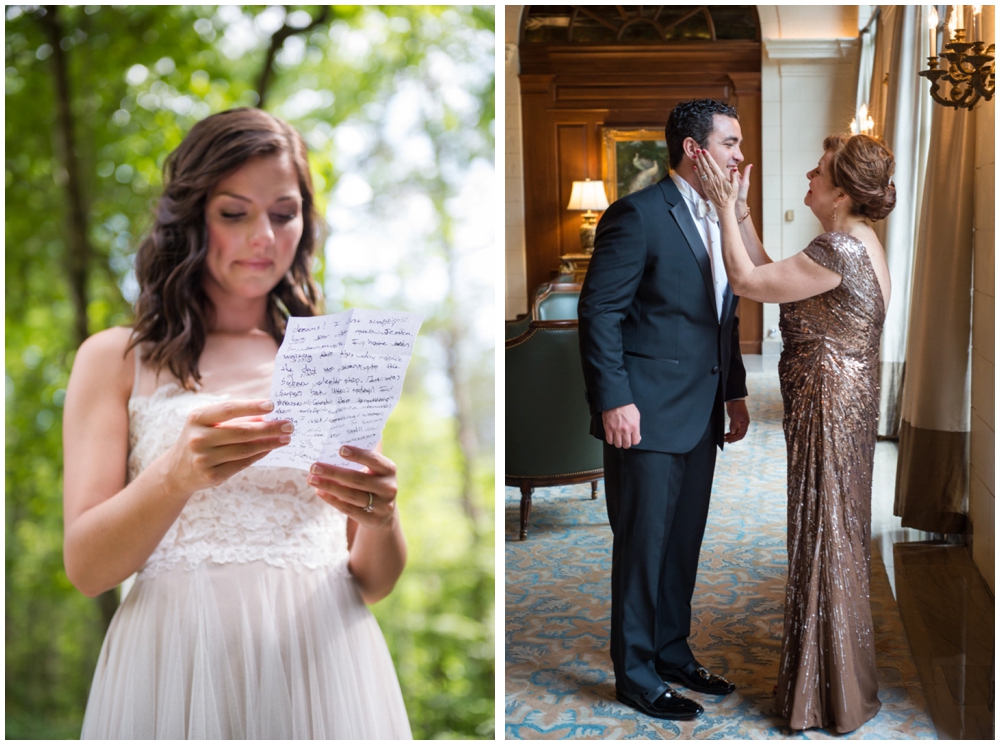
[971,75]
[867,123]
[588,195]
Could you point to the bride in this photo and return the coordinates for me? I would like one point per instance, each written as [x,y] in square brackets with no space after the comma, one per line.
[247,618]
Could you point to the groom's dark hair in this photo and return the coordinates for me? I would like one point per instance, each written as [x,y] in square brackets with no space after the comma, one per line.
[693,119]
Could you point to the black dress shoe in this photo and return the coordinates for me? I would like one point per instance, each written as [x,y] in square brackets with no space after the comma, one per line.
[697,678]
[670,705]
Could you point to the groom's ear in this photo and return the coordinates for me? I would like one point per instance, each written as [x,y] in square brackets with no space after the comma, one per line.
[690,147]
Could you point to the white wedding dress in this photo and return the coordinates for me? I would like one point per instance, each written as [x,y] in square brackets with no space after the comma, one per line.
[244,623]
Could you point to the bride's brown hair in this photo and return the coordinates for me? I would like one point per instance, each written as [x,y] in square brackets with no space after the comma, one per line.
[173,310]
[863,166]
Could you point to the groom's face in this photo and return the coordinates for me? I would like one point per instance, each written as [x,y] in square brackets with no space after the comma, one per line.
[724,142]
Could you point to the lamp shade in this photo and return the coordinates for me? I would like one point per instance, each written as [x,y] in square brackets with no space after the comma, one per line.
[588,195]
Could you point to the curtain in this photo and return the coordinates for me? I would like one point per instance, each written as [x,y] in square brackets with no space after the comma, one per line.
[878,70]
[932,471]
[904,111]
[867,61]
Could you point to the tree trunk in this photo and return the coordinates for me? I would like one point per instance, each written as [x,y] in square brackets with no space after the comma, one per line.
[453,338]
[78,249]
[454,335]
[465,429]
[277,40]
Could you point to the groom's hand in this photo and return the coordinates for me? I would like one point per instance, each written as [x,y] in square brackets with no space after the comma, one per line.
[739,420]
[621,426]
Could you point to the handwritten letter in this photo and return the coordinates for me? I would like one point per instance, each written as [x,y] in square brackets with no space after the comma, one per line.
[337,378]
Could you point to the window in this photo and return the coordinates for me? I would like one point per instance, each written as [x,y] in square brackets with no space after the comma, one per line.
[637,24]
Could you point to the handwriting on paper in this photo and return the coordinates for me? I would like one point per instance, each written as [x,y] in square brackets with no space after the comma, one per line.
[337,378]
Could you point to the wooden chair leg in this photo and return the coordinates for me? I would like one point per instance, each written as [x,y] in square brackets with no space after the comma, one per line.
[525,509]
[593,490]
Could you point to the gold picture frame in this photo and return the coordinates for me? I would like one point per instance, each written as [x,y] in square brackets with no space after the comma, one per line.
[634,158]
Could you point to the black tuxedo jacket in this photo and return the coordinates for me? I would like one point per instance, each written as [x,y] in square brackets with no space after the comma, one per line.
[649,329]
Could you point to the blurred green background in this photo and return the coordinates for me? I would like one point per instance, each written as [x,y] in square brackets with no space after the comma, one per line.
[397,106]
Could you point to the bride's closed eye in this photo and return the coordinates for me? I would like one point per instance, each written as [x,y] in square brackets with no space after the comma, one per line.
[281,218]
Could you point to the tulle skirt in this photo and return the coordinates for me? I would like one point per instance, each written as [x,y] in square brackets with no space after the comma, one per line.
[245,651]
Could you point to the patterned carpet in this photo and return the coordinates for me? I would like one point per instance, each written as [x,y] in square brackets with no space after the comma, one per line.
[559,681]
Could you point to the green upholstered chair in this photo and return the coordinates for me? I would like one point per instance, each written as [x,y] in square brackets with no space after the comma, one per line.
[516,327]
[555,301]
[548,441]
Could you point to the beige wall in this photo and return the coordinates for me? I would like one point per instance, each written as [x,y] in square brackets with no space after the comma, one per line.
[983,449]
[808,89]
[810,21]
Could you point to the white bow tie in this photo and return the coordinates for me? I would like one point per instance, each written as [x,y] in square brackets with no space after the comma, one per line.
[706,208]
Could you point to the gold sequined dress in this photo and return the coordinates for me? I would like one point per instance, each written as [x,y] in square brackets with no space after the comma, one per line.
[829,385]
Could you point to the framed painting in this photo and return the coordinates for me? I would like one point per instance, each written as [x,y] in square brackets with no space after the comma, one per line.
[633,159]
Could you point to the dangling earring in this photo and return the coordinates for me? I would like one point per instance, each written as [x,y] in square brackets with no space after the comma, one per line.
[835,212]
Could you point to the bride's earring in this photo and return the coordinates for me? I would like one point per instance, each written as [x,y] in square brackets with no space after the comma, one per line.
[835,212]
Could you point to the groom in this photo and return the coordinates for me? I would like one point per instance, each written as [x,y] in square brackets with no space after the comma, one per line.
[661,357]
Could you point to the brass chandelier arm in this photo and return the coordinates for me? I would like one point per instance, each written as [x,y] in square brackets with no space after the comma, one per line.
[971,77]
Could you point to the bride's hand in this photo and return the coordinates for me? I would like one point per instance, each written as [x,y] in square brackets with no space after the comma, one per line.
[220,440]
[367,497]
[721,189]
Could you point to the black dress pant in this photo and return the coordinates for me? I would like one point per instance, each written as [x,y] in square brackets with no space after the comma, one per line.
[657,506]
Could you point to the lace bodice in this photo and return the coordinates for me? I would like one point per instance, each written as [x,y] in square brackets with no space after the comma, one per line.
[260,514]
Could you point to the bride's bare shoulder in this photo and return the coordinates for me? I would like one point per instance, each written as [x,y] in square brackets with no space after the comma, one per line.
[109,341]
[105,355]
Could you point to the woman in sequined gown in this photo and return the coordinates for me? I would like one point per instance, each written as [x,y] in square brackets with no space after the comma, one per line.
[833,298]
[248,615]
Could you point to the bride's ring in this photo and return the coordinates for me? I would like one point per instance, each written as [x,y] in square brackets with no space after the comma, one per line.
[371,501]
[704,178]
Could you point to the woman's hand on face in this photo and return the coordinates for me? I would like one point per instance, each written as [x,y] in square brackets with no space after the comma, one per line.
[222,439]
[367,497]
[741,197]
[720,188]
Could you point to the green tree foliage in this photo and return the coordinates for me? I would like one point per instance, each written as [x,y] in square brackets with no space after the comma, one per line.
[139,78]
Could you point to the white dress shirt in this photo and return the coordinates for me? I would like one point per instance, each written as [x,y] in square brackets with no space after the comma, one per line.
[707,222]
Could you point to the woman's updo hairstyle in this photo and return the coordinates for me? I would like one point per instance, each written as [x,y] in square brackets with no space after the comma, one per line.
[173,312]
[862,167]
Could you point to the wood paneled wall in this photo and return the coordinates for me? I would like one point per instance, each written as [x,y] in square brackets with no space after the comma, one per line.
[569,93]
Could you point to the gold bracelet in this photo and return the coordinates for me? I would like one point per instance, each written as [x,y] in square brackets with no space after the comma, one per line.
[745,216]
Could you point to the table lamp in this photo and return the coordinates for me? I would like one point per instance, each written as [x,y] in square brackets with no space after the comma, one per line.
[588,195]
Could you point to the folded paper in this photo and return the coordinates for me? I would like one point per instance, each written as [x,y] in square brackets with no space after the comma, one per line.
[337,378]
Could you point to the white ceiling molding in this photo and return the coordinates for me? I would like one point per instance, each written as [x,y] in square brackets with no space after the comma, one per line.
[803,49]
[770,28]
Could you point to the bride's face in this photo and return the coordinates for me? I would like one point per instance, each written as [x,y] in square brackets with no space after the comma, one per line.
[822,193]
[254,218]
